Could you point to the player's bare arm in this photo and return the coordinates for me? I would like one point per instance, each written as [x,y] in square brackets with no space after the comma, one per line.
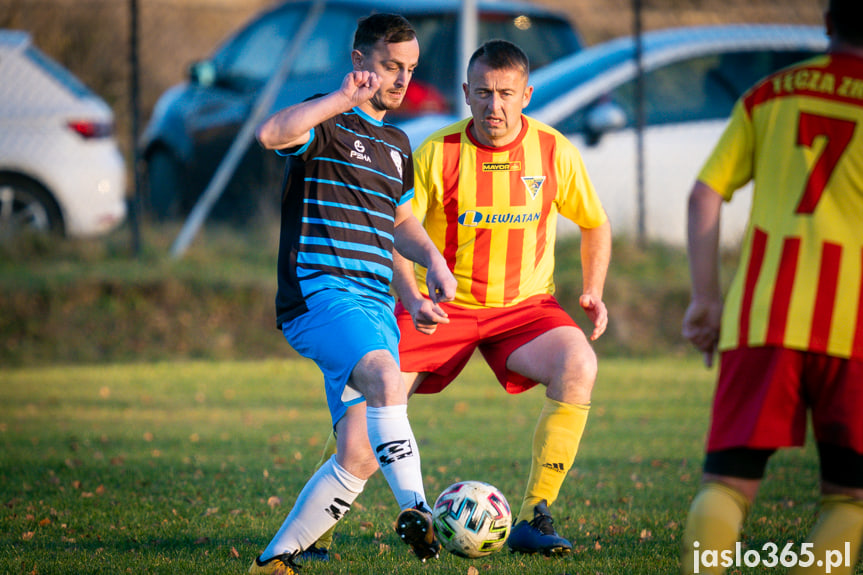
[413,244]
[702,319]
[595,258]
[425,313]
[292,126]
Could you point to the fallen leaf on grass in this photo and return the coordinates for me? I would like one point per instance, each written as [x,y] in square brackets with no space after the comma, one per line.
[234,553]
[472,570]
[28,535]
[274,502]
[645,534]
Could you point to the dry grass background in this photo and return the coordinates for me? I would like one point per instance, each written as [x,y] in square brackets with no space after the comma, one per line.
[91,37]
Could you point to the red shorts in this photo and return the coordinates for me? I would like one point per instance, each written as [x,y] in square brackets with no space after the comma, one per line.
[763,395]
[497,332]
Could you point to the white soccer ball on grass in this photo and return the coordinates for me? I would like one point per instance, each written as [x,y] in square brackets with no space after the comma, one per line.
[472,519]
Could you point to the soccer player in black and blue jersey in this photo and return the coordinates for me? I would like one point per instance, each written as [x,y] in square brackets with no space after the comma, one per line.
[345,207]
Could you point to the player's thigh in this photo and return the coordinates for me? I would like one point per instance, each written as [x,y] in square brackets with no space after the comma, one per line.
[561,354]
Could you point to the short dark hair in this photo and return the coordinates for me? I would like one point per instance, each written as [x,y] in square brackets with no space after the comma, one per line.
[392,28]
[500,55]
[847,17]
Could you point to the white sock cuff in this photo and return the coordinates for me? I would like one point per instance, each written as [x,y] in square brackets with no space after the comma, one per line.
[347,479]
[387,412]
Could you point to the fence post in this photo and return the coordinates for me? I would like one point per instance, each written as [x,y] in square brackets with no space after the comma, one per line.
[639,127]
[134,94]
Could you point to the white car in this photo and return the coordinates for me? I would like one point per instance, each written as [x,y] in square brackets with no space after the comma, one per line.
[60,167]
[692,77]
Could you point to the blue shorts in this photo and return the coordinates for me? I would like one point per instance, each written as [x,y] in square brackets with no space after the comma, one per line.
[337,331]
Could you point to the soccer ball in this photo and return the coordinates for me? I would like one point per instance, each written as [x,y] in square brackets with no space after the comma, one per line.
[472,519]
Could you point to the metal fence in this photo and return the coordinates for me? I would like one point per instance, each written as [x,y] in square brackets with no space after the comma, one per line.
[93,37]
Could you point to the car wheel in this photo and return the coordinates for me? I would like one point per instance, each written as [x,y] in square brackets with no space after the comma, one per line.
[26,206]
[164,182]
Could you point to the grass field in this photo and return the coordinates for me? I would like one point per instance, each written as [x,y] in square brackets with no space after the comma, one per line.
[190,467]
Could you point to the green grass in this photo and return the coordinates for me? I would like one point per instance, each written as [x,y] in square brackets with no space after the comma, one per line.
[190,467]
[216,303]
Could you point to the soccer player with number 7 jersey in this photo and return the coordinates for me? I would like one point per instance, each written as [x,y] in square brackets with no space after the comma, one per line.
[790,332]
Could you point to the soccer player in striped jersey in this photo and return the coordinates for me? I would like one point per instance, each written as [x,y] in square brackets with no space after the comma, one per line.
[790,332]
[344,208]
[488,191]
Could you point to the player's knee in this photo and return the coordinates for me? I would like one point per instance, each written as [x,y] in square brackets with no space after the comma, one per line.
[581,368]
[574,384]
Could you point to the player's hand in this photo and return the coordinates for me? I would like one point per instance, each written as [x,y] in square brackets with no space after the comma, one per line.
[596,312]
[440,281]
[701,326]
[359,86]
[426,315]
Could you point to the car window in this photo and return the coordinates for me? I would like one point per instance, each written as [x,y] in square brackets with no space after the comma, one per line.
[254,55]
[542,39]
[696,89]
[438,43]
[57,72]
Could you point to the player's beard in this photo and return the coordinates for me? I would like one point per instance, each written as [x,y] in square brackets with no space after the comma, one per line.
[385,102]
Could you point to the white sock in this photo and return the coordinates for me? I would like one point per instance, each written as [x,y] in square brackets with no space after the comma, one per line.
[326,497]
[395,448]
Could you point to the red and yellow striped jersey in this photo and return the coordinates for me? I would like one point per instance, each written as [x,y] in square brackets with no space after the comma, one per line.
[799,135]
[492,212]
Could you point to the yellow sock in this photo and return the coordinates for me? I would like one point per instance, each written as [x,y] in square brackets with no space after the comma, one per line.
[836,536]
[325,541]
[712,526]
[555,443]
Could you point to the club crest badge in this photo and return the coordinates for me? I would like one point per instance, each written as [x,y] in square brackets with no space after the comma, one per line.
[397,160]
[533,184]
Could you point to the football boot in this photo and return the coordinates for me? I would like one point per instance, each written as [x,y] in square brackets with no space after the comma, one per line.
[414,527]
[278,565]
[538,535]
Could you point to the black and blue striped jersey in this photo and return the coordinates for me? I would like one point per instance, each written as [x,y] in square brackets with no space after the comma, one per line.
[339,200]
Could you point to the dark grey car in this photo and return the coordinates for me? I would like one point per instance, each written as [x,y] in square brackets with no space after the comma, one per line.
[194,123]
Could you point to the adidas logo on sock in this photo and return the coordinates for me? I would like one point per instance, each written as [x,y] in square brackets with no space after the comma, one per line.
[554,466]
